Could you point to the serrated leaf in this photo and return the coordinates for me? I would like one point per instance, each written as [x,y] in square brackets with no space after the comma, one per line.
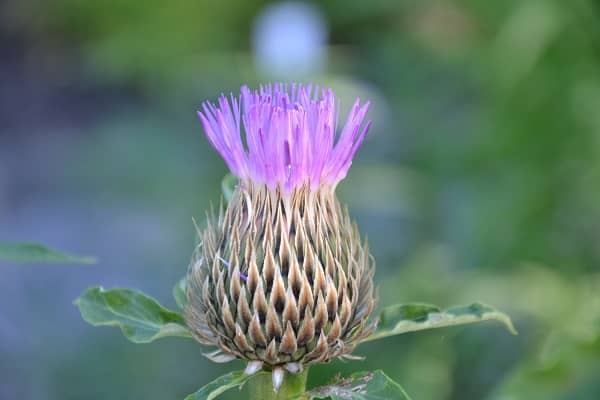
[179,293]
[228,185]
[141,318]
[374,385]
[403,318]
[34,253]
[220,385]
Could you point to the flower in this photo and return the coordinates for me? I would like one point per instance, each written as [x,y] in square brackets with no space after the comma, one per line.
[289,135]
[281,277]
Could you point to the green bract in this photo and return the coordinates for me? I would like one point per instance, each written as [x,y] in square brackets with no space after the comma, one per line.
[228,186]
[179,293]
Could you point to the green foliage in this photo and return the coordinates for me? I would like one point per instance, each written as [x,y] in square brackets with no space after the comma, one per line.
[374,385]
[558,314]
[141,318]
[565,369]
[220,385]
[114,33]
[403,318]
[34,253]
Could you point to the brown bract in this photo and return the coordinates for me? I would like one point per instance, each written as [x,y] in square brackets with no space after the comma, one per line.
[280,280]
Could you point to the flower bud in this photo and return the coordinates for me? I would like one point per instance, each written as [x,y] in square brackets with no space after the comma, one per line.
[281,278]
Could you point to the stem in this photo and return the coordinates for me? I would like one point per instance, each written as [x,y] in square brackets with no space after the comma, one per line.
[293,387]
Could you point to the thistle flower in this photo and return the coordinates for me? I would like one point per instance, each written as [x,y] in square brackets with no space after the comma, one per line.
[281,278]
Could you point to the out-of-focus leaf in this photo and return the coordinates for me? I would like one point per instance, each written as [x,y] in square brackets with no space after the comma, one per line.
[228,185]
[564,369]
[220,385]
[374,385]
[34,253]
[141,318]
[179,293]
[403,318]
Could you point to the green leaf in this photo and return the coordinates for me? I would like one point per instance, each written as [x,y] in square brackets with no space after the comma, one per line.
[179,293]
[220,385]
[374,385]
[141,318]
[34,253]
[403,318]
[228,185]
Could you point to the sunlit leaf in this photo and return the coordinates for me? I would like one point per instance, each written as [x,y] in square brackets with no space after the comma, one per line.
[220,385]
[34,253]
[179,293]
[403,318]
[141,318]
[374,385]
[228,185]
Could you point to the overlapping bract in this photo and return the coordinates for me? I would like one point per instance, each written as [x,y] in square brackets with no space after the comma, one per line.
[280,281]
[289,135]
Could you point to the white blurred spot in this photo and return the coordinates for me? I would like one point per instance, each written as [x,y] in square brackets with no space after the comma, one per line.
[289,39]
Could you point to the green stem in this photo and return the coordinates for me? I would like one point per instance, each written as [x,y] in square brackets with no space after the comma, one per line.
[293,387]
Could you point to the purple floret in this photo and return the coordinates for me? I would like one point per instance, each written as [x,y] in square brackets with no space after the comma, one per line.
[289,135]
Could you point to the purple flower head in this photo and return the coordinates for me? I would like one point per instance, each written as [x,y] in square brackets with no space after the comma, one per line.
[289,135]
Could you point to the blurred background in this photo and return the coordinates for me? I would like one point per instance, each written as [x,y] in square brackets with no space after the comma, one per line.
[478,181]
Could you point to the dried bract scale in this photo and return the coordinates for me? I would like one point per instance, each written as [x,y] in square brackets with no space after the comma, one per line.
[281,277]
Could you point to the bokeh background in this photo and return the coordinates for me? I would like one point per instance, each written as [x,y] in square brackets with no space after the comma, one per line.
[480,179]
